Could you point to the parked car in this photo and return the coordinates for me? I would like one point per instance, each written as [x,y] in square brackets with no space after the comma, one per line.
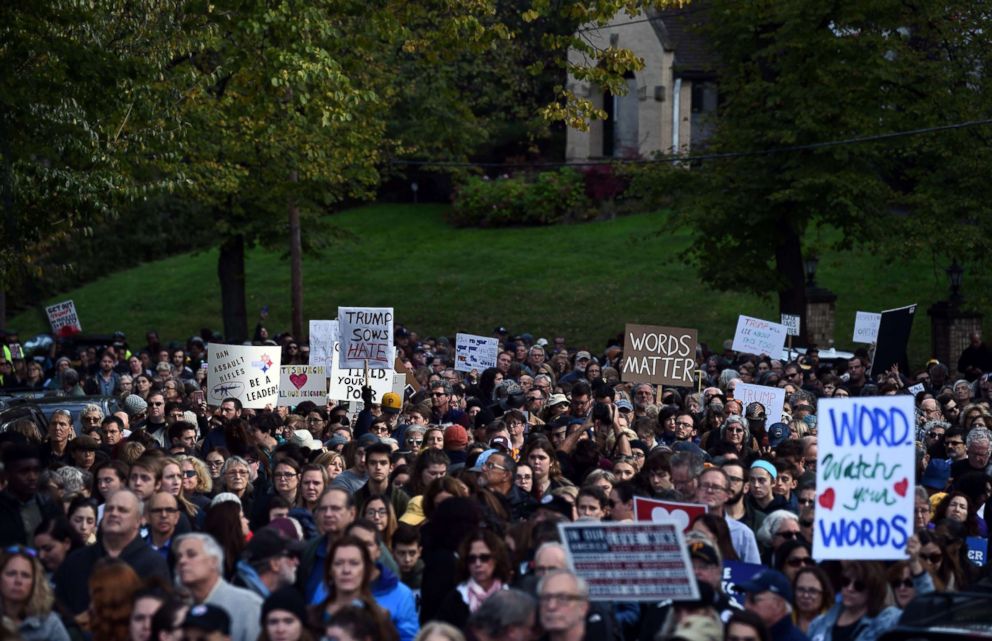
[74,404]
[945,616]
[11,413]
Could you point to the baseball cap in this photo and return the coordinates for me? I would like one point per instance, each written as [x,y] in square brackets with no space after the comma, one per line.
[479,462]
[500,443]
[583,355]
[269,543]
[767,581]
[392,403]
[625,405]
[557,399]
[208,618]
[703,550]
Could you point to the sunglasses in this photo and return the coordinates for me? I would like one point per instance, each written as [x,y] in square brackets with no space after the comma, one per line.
[904,583]
[478,558]
[22,549]
[854,584]
[932,558]
[788,535]
[189,473]
[798,562]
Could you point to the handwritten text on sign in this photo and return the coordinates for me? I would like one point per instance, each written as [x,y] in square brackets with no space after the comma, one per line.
[756,336]
[366,334]
[659,355]
[346,384]
[791,322]
[323,335]
[866,327]
[298,383]
[475,352]
[63,318]
[771,398]
[630,561]
[864,478]
[247,373]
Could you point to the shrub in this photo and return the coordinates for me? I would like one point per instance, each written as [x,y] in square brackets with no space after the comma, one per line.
[545,199]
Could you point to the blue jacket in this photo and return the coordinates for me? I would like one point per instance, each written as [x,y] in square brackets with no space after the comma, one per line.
[398,600]
[868,628]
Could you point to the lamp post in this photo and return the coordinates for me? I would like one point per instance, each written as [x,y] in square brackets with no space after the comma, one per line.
[809,266]
[955,272]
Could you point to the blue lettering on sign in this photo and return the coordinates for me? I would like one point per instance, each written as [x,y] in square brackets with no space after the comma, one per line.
[870,533]
[870,426]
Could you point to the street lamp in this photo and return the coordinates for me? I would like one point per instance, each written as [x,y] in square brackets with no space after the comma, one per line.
[955,272]
[809,266]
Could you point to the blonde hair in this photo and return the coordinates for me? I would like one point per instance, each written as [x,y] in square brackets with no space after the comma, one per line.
[444,630]
[204,484]
[41,599]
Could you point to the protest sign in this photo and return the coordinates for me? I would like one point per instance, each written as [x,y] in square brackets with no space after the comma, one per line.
[893,337]
[652,510]
[864,478]
[366,336]
[756,336]
[298,383]
[658,355]
[916,389]
[475,352]
[735,572]
[346,384]
[323,335]
[771,398]
[791,323]
[866,327]
[63,318]
[630,561]
[245,372]
[978,550]
[399,383]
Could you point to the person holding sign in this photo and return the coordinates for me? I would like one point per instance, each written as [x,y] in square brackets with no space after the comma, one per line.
[861,614]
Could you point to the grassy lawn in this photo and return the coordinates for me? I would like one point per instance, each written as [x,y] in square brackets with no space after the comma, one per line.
[580,281]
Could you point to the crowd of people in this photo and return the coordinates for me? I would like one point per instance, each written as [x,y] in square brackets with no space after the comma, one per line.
[435,516]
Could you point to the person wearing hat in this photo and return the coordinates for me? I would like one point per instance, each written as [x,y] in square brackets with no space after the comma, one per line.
[284,617]
[582,359]
[455,442]
[761,496]
[769,595]
[83,450]
[205,622]
[269,563]
[557,406]
[442,409]
[391,404]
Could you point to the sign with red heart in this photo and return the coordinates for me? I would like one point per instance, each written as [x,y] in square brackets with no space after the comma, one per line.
[300,383]
[653,510]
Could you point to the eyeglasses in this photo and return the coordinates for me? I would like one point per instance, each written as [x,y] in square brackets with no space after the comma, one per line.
[377,512]
[156,404]
[472,559]
[284,475]
[438,394]
[800,561]
[162,511]
[736,479]
[932,558]
[215,462]
[710,487]
[415,442]
[548,599]
[735,430]
[22,549]
[189,473]
[953,443]
[902,583]
[788,535]
[808,591]
[854,584]
[489,465]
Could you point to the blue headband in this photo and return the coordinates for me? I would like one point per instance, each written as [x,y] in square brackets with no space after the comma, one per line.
[766,466]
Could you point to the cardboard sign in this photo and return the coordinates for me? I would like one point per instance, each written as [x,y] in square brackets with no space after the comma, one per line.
[916,389]
[658,355]
[475,352]
[654,511]
[866,327]
[63,318]
[772,398]
[978,550]
[735,572]
[630,561]
[366,335]
[791,322]
[346,384]
[756,336]
[399,383]
[245,372]
[893,337]
[864,478]
[323,335]
[298,383]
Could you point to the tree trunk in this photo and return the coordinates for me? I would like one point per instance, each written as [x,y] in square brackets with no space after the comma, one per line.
[296,267]
[789,262]
[231,272]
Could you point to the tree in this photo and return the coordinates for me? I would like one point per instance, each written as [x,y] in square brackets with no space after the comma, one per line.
[801,72]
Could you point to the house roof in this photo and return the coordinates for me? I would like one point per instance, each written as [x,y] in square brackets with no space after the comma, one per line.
[681,31]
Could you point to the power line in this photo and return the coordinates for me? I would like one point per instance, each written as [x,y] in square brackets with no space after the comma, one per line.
[729,155]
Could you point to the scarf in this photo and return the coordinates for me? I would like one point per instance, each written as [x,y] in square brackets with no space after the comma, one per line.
[476,595]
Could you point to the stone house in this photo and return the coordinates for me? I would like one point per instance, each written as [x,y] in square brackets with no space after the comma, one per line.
[669,104]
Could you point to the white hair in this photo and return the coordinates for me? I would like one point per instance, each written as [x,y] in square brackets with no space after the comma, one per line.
[772,523]
[210,547]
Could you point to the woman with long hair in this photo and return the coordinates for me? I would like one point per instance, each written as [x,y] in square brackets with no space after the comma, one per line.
[286,480]
[82,515]
[655,475]
[956,506]
[746,625]
[379,511]
[483,570]
[226,523]
[197,484]
[348,577]
[333,464]
[540,455]
[147,601]
[172,482]
[112,588]
[313,481]
[792,556]
[716,530]
[812,595]
[54,539]
[26,597]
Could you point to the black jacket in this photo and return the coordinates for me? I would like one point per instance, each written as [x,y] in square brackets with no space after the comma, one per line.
[71,579]
[12,526]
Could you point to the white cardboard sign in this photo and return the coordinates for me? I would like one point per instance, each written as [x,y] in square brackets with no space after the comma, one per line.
[63,318]
[245,372]
[298,383]
[346,384]
[366,336]
[475,352]
[772,398]
[323,335]
[865,475]
[757,336]
[866,327]
[791,322]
